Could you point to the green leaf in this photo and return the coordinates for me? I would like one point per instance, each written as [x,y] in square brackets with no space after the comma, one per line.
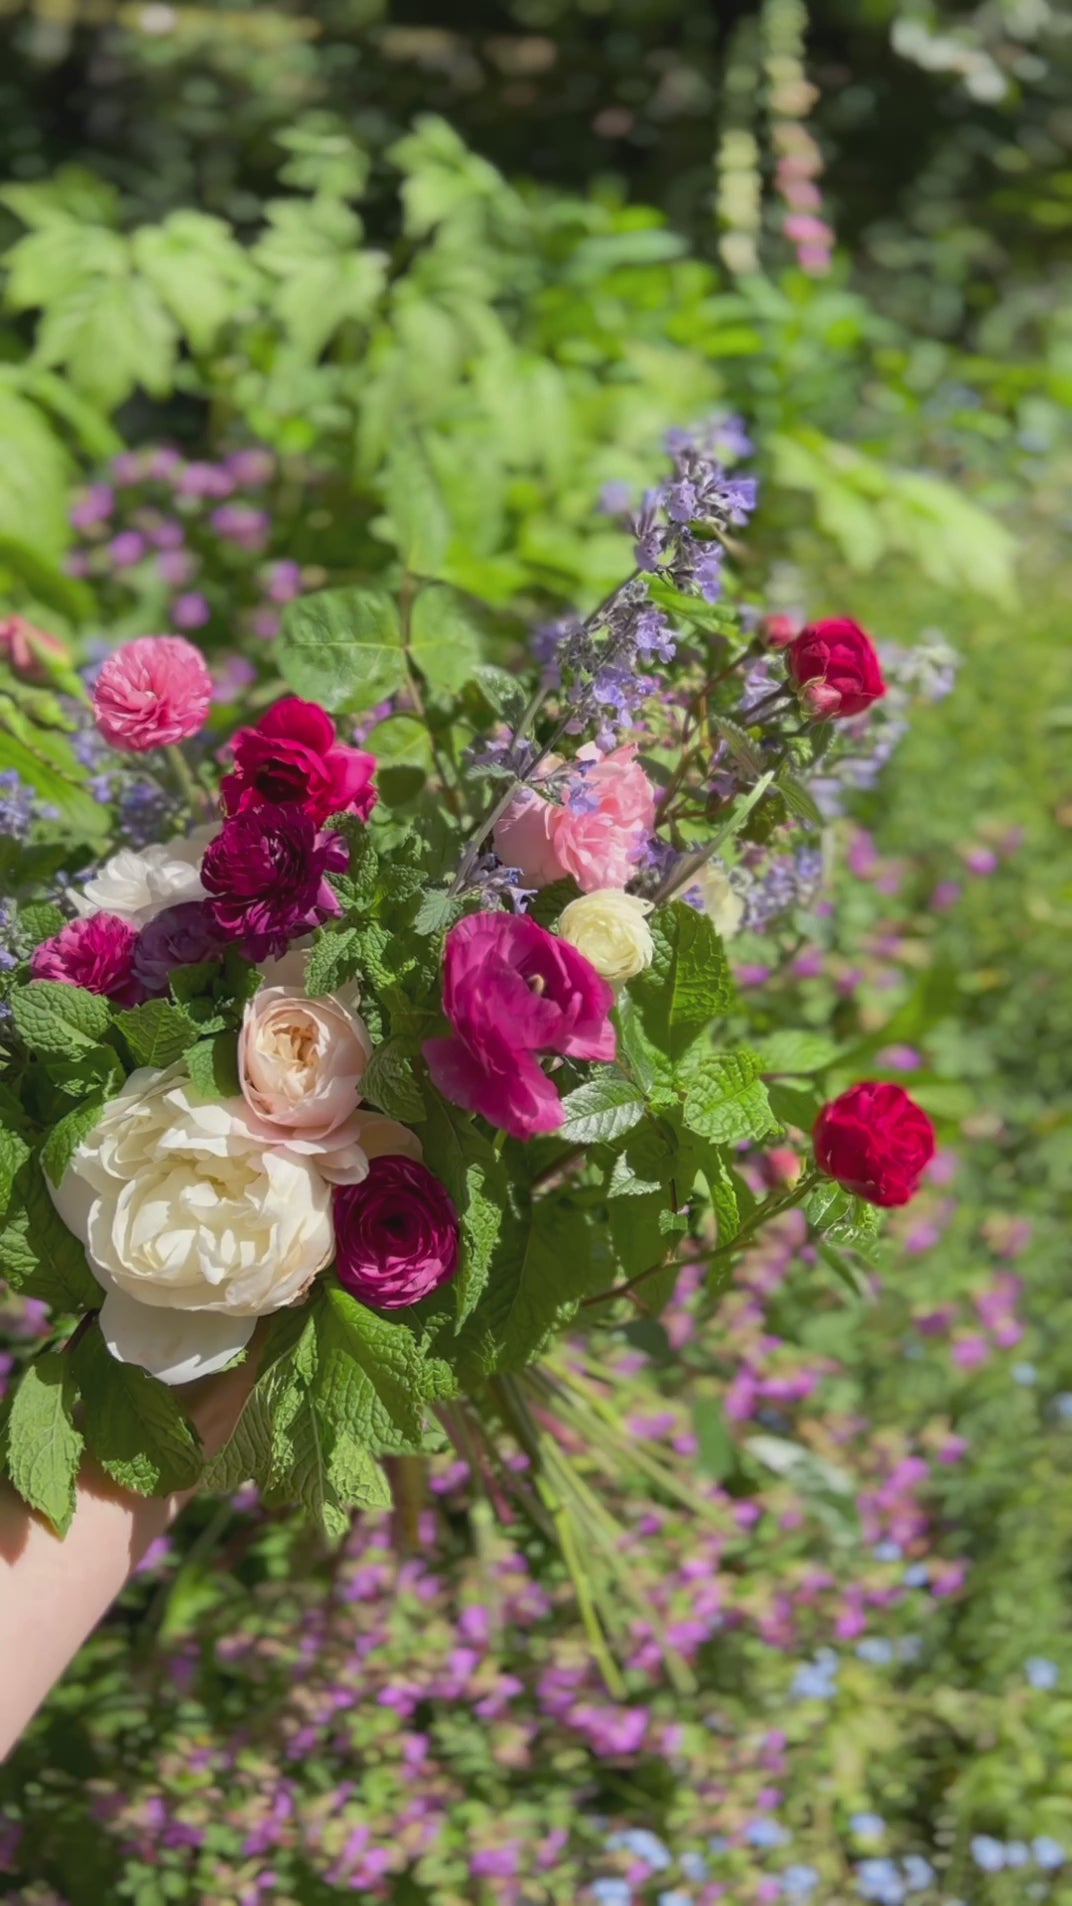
[343,648]
[57,1020]
[198,269]
[644,1230]
[38,1255]
[56,777]
[66,1136]
[726,1099]
[38,921]
[417,518]
[14,1153]
[444,641]
[602,1109]
[213,1067]
[550,901]
[797,799]
[389,1084]
[313,248]
[157,1033]
[842,1217]
[248,1456]
[368,1378]
[438,911]
[717,1454]
[111,334]
[44,1449]
[134,1424]
[793,1052]
[688,983]
[740,744]
[542,1269]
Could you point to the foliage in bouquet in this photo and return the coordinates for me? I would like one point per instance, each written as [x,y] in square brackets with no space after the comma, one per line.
[406,1053]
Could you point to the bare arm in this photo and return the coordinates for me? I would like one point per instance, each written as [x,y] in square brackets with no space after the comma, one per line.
[53,1593]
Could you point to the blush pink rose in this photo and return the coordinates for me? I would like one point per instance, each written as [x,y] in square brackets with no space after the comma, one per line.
[152,693]
[598,844]
[512,990]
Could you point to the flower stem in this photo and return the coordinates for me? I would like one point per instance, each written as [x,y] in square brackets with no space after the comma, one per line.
[197,799]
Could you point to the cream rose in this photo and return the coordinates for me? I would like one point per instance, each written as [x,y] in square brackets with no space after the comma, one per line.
[138,886]
[300,1063]
[193,1225]
[610,928]
[720,900]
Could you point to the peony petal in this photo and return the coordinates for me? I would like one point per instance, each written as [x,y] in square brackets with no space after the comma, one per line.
[175,1345]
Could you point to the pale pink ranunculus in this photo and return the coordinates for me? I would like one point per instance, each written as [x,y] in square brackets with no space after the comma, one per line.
[597,846]
[300,1064]
[152,693]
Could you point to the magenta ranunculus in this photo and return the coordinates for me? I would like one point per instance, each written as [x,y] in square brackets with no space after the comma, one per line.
[152,693]
[512,990]
[182,935]
[266,877]
[396,1234]
[292,758]
[96,952]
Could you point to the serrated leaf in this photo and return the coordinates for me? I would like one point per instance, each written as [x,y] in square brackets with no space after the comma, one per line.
[444,641]
[343,648]
[44,1449]
[389,1084]
[797,1052]
[213,1067]
[438,911]
[38,921]
[157,1033]
[741,746]
[550,901]
[65,1137]
[332,961]
[688,983]
[601,1110]
[503,692]
[416,512]
[543,1269]
[38,1255]
[57,1020]
[14,1153]
[368,1379]
[726,1100]
[798,800]
[134,1424]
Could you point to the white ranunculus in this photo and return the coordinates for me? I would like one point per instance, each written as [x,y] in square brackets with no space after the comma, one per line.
[721,902]
[611,929]
[192,1223]
[138,886]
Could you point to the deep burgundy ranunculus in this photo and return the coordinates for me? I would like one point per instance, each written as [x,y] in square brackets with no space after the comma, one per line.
[512,990]
[292,756]
[836,668]
[179,936]
[265,874]
[96,952]
[876,1141]
[396,1234]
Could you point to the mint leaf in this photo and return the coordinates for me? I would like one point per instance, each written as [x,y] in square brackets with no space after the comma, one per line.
[444,641]
[38,1255]
[438,911]
[464,1161]
[602,1109]
[687,984]
[64,1139]
[134,1424]
[726,1099]
[542,1270]
[368,1378]
[388,1083]
[213,1067]
[44,1448]
[796,1052]
[14,1152]
[343,648]
[59,1021]
[157,1033]
[333,960]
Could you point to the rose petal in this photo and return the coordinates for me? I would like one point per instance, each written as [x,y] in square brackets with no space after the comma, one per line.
[177,1346]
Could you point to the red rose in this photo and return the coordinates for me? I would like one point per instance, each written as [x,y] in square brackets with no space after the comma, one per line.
[875,1141]
[292,758]
[836,669]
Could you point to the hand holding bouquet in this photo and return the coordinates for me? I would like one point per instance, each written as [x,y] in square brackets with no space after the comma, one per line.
[420,1042]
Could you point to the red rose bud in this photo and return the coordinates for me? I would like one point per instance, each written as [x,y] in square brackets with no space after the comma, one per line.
[779,630]
[396,1234]
[875,1141]
[781,1166]
[835,668]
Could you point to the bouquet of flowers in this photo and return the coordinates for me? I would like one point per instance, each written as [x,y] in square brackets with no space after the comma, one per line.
[401,1034]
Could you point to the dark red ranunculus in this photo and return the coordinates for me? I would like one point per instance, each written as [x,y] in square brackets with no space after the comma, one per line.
[183,935]
[266,877]
[836,668]
[876,1141]
[96,952]
[512,990]
[292,757]
[396,1234]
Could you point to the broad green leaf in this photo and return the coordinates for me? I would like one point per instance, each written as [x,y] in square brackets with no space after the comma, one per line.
[332,960]
[444,640]
[726,1100]
[687,984]
[44,1449]
[313,248]
[82,818]
[57,1020]
[417,520]
[388,1083]
[112,334]
[38,1255]
[157,1033]
[368,1378]
[134,1424]
[796,1052]
[542,1269]
[66,1136]
[14,1153]
[343,648]
[602,1109]
[213,1067]
[198,269]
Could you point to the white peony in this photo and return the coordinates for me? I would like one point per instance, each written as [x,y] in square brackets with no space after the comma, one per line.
[611,929]
[138,886]
[192,1224]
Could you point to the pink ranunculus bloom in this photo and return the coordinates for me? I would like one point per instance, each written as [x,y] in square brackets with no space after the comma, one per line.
[598,844]
[292,758]
[152,693]
[96,952]
[512,990]
[396,1234]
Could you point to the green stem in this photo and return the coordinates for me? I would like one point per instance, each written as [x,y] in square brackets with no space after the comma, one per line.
[197,798]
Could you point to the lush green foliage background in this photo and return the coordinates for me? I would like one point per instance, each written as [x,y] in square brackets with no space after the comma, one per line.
[256,227]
